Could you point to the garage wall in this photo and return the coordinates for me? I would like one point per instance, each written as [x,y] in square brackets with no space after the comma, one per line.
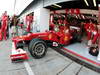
[41,20]
[20,5]
[40,4]
[44,19]
[41,16]
[35,5]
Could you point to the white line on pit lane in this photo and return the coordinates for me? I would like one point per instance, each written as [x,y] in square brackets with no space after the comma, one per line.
[28,68]
[26,64]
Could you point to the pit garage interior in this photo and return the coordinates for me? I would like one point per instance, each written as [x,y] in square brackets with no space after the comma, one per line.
[86,12]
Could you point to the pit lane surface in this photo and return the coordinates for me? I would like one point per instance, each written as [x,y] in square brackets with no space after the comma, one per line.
[52,64]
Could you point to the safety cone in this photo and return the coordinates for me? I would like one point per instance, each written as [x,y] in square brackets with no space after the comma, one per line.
[18,54]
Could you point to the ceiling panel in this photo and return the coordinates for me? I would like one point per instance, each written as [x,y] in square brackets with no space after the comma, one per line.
[75,4]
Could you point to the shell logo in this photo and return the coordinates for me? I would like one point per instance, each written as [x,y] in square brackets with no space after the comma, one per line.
[65,38]
[50,36]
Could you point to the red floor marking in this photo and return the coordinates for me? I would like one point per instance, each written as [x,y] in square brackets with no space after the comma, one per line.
[84,58]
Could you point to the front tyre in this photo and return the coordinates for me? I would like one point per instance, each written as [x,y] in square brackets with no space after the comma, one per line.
[37,48]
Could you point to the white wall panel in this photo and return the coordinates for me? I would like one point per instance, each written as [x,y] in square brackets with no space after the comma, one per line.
[35,6]
[44,19]
[21,5]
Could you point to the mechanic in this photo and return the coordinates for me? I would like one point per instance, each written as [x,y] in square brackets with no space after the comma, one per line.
[95,34]
[4,25]
[87,28]
[94,49]
[92,32]
[29,20]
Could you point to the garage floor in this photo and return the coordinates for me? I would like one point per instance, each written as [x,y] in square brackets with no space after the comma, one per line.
[52,64]
[82,51]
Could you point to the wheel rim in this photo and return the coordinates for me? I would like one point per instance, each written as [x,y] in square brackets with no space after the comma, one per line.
[39,49]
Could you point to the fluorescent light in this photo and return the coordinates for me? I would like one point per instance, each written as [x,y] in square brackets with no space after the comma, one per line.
[86,2]
[57,5]
[94,2]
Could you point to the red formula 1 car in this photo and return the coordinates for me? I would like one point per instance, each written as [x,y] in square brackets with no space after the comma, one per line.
[37,43]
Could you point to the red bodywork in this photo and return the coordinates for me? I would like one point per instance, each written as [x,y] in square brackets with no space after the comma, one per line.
[59,37]
[51,36]
[22,56]
[18,54]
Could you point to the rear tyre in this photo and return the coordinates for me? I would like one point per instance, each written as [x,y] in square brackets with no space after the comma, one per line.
[37,48]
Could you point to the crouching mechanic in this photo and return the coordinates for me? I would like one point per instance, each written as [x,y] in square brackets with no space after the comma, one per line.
[94,50]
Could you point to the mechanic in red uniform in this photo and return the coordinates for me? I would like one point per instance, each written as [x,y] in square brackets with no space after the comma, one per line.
[31,17]
[28,23]
[95,33]
[52,25]
[65,35]
[4,25]
[92,32]
[29,20]
[61,24]
[87,28]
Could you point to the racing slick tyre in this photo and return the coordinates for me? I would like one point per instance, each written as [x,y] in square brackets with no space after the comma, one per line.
[37,48]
